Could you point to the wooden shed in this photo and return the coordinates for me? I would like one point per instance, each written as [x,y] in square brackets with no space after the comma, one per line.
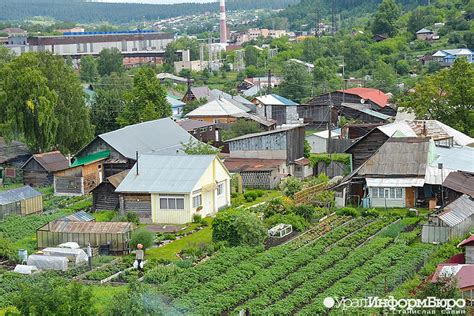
[114,235]
[39,169]
[21,201]
[104,197]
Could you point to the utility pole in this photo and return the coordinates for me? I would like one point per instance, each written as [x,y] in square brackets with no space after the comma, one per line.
[269,87]
[333,11]
[331,105]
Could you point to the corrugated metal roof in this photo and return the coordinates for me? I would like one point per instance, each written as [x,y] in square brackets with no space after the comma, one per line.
[424,31]
[278,130]
[90,158]
[116,179]
[462,182]
[402,126]
[60,226]
[257,118]
[52,161]
[166,174]
[175,103]
[80,216]
[398,157]
[374,95]
[190,125]
[325,134]
[395,182]
[457,158]
[217,107]
[163,135]
[17,195]
[457,211]
[250,164]
[275,99]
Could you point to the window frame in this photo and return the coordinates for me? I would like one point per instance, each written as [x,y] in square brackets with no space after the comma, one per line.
[199,197]
[166,199]
[220,188]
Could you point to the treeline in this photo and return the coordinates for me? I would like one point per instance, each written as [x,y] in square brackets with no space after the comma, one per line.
[305,11]
[86,12]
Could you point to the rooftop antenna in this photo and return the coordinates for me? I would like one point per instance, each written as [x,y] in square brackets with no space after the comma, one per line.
[136,153]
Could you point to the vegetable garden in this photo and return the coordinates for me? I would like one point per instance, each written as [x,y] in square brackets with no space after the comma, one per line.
[352,258]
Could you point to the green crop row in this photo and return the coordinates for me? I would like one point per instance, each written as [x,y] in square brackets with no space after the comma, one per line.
[238,285]
[313,286]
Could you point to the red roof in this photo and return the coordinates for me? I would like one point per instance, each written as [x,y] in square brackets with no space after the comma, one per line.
[374,95]
[467,241]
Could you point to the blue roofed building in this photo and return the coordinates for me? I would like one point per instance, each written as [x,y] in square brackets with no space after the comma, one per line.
[177,106]
[276,107]
[448,56]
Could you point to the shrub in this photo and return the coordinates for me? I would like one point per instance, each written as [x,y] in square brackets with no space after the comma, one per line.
[369,213]
[197,218]
[347,211]
[168,236]
[184,264]
[142,236]
[305,211]
[250,196]
[133,218]
[6,248]
[297,221]
[290,186]
[234,195]
[238,228]
[259,193]
[275,206]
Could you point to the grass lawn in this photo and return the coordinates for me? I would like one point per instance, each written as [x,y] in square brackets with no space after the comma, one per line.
[104,216]
[169,251]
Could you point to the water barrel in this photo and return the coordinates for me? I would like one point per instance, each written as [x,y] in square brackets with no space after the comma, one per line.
[23,255]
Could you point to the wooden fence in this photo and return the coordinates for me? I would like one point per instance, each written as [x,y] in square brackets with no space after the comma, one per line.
[332,170]
[306,195]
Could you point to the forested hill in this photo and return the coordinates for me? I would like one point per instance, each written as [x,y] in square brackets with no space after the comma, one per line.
[85,12]
[305,11]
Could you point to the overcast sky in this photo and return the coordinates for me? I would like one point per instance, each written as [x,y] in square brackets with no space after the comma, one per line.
[158,1]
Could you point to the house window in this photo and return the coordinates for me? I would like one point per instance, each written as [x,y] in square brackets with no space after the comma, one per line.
[381,191]
[172,203]
[197,201]
[220,188]
[398,193]
[298,168]
[375,193]
[392,193]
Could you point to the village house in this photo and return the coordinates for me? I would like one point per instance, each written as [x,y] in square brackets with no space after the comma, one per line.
[39,169]
[425,34]
[458,183]
[21,201]
[218,110]
[280,145]
[177,106]
[273,106]
[460,267]
[104,197]
[116,151]
[13,155]
[178,186]
[446,57]
[372,99]
[319,140]
[201,130]
[258,173]
[443,136]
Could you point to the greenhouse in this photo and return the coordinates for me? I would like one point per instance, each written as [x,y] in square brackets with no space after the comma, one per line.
[21,201]
[113,236]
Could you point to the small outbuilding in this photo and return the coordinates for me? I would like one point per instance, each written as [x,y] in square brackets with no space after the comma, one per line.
[21,201]
[113,235]
[104,197]
[39,169]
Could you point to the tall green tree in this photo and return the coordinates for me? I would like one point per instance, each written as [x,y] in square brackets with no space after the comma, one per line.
[251,56]
[110,60]
[447,96]
[297,82]
[325,75]
[147,100]
[88,71]
[385,18]
[109,102]
[44,83]
[241,127]
[383,77]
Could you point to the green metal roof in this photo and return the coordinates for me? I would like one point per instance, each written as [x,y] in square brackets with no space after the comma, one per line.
[90,158]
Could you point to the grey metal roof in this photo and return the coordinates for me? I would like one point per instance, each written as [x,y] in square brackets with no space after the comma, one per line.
[17,195]
[257,118]
[80,216]
[166,174]
[364,109]
[405,156]
[163,135]
[278,130]
[457,211]
[189,125]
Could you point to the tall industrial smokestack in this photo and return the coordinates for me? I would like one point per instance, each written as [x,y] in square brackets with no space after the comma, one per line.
[223,27]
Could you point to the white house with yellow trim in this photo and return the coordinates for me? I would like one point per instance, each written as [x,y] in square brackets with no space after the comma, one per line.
[179,186]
